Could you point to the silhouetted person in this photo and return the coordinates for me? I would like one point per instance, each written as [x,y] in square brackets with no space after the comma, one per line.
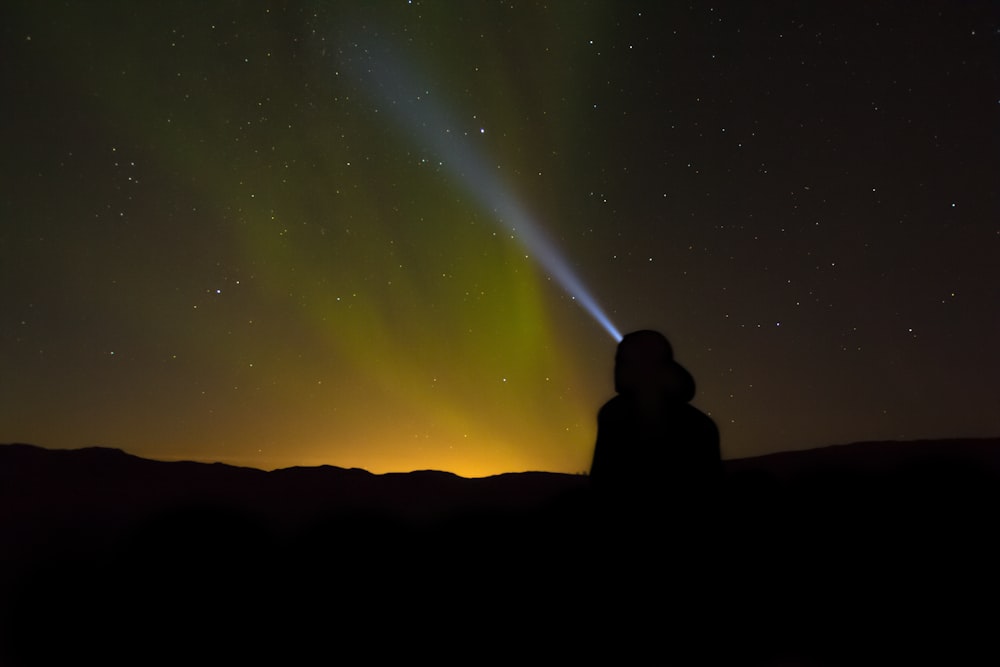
[654,449]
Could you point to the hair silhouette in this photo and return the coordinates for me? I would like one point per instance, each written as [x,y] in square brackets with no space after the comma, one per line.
[652,444]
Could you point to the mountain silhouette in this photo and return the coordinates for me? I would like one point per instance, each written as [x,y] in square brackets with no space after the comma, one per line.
[837,555]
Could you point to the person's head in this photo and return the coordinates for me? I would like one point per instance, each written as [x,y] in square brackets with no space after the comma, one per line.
[645,366]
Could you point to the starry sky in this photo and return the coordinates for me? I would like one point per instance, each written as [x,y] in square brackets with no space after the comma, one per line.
[367,234]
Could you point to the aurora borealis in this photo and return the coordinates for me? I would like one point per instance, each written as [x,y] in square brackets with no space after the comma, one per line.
[243,232]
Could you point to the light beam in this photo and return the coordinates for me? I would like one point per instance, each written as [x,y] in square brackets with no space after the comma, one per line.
[414,108]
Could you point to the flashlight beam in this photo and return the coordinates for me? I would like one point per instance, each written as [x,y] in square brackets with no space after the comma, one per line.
[416,110]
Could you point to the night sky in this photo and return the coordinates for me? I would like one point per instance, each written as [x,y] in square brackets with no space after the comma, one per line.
[365,234]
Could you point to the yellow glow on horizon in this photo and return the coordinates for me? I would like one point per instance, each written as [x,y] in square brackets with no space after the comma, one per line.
[486,460]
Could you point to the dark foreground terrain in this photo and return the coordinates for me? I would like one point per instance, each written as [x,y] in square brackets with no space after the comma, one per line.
[872,553]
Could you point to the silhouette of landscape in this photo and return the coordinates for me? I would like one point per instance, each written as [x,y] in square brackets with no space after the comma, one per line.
[854,554]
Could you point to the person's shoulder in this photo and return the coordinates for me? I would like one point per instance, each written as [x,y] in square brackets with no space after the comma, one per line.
[697,416]
[614,403]
[612,409]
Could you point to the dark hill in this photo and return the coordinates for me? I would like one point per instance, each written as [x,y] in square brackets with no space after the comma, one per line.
[869,552]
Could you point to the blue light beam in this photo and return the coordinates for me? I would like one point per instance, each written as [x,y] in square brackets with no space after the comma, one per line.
[414,109]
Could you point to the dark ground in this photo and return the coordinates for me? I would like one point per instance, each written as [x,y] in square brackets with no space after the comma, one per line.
[870,553]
